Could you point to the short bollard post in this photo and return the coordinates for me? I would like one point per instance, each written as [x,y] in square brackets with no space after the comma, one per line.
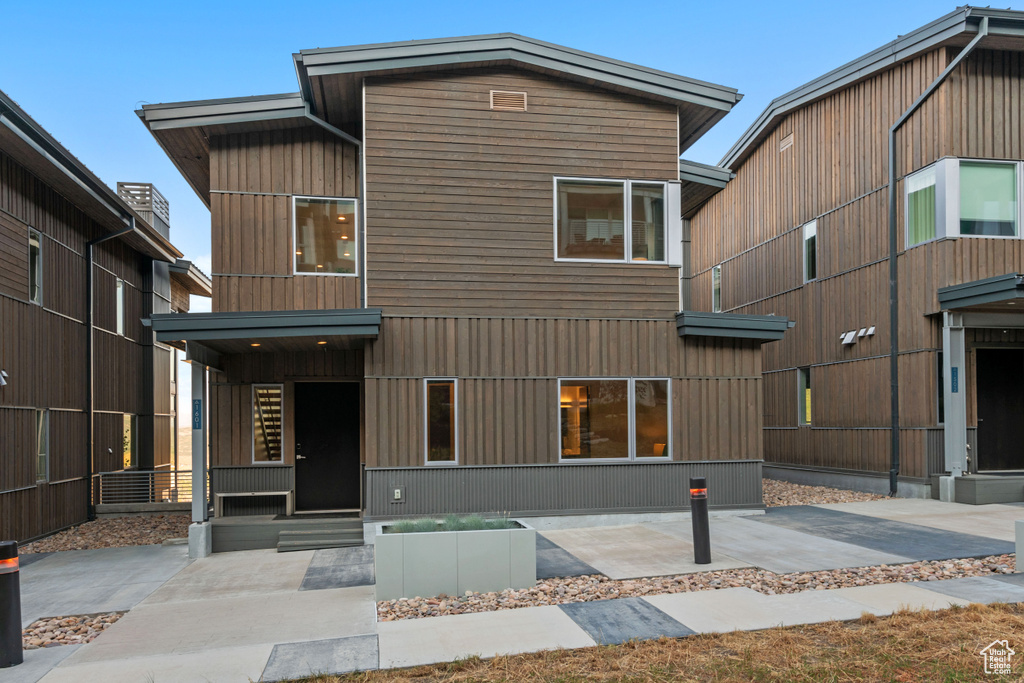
[699,516]
[10,606]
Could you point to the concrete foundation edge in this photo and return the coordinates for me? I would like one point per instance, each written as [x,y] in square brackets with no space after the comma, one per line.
[841,480]
[200,540]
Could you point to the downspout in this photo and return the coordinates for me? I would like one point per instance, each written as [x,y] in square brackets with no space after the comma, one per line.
[90,354]
[362,199]
[894,344]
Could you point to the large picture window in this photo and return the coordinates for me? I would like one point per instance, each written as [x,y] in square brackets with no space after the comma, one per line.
[591,216]
[267,433]
[441,398]
[614,419]
[988,199]
[325,236]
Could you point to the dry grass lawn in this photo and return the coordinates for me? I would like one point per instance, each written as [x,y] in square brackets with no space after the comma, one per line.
[907,646]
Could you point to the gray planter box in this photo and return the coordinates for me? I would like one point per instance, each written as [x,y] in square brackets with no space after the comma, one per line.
[453,562]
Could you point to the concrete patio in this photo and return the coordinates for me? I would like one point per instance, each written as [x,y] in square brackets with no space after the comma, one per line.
[261,615]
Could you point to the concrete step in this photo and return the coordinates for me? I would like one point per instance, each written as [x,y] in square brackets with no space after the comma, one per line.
[292,546]
[315,539]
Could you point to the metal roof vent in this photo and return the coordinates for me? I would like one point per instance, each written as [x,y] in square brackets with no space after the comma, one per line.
[786,143]
[503,100]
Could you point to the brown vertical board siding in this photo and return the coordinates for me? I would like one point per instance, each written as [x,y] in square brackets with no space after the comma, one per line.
[252,225]
[461,197]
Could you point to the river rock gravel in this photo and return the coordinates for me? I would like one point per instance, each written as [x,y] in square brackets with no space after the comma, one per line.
[115,532]
[778,493]
[560,591]
[72,630]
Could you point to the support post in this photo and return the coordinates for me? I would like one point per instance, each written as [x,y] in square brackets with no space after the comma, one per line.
[200,507]
[954,393]
[11,653]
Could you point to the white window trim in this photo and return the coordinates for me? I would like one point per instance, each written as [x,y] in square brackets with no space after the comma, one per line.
[426,422]
[627,220]
[803,249]
[32,232]
[631,393]
[45,412]
[120,307]
[252,433]
[355,237]
[716,306]
[947,200]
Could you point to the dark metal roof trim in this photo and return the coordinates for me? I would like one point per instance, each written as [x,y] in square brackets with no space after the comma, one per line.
[764,328]
[715,176]
[223,111]
[418,54]
[194,280]
[988,291]
[962,20]
[362,322]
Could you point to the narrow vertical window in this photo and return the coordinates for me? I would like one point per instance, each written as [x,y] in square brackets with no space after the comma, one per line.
[130,451]
[325,236]
[35,267]
[988,199]
[42,445]
[921,207]
[648,221]
[266,423]
[716,289]
[811,251]
[804,402]
[119,305]
[441,420]
[651,405]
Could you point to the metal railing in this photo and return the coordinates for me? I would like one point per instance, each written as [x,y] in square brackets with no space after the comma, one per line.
[145,197]
[134,486]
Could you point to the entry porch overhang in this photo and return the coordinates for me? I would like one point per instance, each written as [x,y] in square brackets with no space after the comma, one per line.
[1000,294]
[207,336]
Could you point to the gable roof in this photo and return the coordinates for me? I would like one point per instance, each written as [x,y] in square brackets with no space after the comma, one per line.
[954,29]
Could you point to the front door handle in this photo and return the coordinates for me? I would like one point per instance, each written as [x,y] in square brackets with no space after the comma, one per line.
[299,457]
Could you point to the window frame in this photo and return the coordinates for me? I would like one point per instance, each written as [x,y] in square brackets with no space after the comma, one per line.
[119,307]
[631,436]
[627,219]
[716,292]
[803,386]
[252,432]
[812,224]
[426,422]
[355,239]
[38,299]
[44,414]
[947,199]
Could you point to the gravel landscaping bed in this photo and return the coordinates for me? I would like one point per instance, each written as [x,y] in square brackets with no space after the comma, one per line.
[778,493]
[599,587]
[116,532]
[73,630]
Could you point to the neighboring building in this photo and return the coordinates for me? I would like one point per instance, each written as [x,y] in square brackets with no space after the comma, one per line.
[427,300]
[803,231]
[55,218]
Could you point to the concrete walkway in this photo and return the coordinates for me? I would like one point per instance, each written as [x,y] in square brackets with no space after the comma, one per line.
[261,615]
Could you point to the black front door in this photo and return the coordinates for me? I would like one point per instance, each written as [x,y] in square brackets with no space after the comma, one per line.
[326,445]
[1000,409]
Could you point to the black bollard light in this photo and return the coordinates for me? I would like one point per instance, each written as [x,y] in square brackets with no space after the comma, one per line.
[699,516]
[10,606]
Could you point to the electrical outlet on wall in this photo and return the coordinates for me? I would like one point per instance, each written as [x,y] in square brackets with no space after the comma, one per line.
[397,494]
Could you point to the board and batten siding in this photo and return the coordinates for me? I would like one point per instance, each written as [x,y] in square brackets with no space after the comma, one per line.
[461,198]
[508,372]
[254,176]
[836,172]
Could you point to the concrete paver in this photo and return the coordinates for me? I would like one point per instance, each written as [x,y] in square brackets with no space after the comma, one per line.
[886,598]
[992,521]
[225,664]
[779,549]
[37,663]
[339,568]
[977,589]
[90,581]
[413,642]
[553,561]
[611,622]
[336,656]
[633,551]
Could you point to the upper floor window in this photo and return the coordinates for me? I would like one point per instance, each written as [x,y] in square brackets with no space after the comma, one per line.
[716,288]
[325,236]
[119,305]
[592,215]
[810,231]
[35,267]
[954,197]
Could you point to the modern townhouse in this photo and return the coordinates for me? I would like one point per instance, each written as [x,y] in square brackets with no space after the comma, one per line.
[878,207]
[446,279]
[84,389]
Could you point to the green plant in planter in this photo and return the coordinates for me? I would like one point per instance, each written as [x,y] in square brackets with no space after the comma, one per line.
[450,523]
